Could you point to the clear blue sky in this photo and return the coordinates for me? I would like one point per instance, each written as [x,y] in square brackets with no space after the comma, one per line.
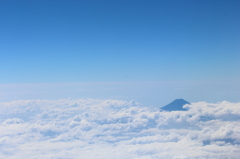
[52,41]
[59,41]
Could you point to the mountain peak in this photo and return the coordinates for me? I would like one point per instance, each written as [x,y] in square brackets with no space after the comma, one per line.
[176,105]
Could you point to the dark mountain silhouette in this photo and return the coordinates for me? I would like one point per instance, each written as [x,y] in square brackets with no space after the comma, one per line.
[176,105]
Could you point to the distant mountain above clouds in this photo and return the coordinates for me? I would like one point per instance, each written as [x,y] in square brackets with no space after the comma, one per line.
[176,105]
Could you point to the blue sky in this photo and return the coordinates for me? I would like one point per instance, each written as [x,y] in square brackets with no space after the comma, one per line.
[56,41]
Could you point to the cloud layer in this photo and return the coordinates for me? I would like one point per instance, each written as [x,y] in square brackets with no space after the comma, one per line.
[91,128]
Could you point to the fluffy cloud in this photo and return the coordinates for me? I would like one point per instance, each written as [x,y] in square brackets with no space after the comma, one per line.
[90,128]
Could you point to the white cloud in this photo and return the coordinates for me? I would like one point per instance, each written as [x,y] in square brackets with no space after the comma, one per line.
[91,128]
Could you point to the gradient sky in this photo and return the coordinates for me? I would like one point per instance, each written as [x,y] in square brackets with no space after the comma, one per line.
[58,41]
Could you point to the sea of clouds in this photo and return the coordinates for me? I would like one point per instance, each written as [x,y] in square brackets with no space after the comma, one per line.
[93,128]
